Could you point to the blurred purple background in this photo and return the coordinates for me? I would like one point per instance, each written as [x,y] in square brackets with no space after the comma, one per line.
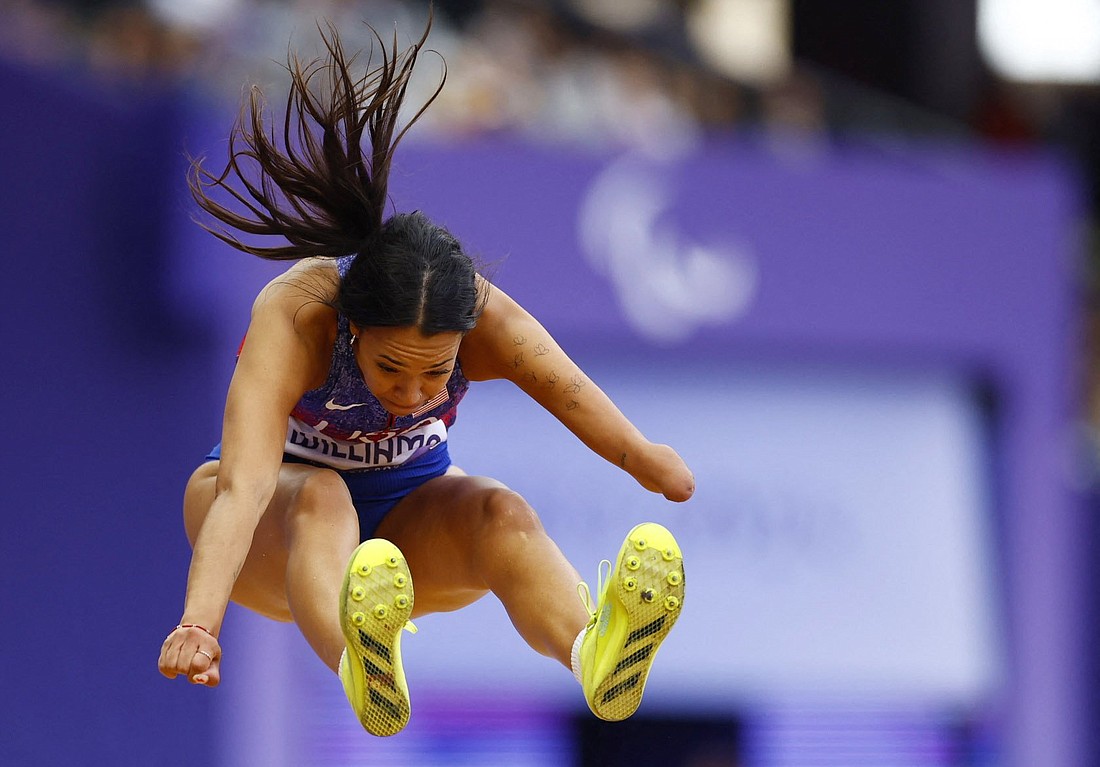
[739,269]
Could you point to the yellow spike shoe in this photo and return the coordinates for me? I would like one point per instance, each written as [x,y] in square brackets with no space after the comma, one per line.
[638,605]
[375,604]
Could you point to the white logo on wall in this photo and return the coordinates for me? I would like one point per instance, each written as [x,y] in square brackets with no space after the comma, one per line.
[668,284]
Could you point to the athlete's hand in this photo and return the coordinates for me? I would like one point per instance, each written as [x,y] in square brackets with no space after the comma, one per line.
[660,469]
[192,652]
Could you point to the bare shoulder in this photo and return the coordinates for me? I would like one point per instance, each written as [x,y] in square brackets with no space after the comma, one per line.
[503,331]
[301,296]
[498,309]
[293,325]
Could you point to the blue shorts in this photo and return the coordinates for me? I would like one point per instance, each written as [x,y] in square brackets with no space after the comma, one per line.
[374,492]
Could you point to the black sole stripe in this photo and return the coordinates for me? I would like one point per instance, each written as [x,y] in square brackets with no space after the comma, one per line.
[621,687]
[378,675]
[633,659]
[645,631]
[375,646]
[391,710]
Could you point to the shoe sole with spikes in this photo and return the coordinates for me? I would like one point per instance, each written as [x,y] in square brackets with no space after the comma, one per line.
[376,602]
[638,607]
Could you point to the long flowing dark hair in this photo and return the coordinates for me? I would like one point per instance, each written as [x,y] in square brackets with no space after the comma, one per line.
[321,184]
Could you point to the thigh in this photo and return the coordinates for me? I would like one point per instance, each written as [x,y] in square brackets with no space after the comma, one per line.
[437,529]
[261,584]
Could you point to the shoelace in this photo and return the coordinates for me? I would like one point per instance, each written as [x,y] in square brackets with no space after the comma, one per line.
[586,595]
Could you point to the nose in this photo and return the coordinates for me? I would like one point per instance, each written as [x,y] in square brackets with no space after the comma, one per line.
[407,395]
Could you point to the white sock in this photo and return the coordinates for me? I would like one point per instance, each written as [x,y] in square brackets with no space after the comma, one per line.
[575,655]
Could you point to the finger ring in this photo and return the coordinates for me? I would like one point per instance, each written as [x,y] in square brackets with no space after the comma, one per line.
[204,652]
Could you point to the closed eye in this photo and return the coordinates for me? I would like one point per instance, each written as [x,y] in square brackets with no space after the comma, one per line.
[431,373]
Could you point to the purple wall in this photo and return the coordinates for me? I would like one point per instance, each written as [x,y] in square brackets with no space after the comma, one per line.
[109,402]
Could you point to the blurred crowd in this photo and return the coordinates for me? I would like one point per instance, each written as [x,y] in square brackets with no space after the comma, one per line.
[540,67]
[510,64]
[546,68]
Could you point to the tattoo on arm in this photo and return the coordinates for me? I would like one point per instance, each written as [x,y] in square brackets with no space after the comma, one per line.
[576,385]
[517,361]
[530,377]
[572,405]
[540,350]
[519,340]
[622,461]
[551,380]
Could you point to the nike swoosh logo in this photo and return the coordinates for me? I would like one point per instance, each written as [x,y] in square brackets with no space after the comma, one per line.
[331,405]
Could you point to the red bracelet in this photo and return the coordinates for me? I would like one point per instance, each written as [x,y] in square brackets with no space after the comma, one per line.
[195,626]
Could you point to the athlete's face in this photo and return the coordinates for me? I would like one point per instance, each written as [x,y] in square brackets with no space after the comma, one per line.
[404,368]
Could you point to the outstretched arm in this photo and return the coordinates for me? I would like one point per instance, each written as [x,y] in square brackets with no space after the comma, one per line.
[508,343]
[278,362]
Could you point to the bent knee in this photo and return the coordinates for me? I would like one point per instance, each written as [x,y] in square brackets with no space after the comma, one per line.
[320,488]
[321,495]
[197,497]
[504,511]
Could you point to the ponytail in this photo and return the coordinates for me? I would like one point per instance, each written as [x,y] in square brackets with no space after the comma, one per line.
[316,185]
